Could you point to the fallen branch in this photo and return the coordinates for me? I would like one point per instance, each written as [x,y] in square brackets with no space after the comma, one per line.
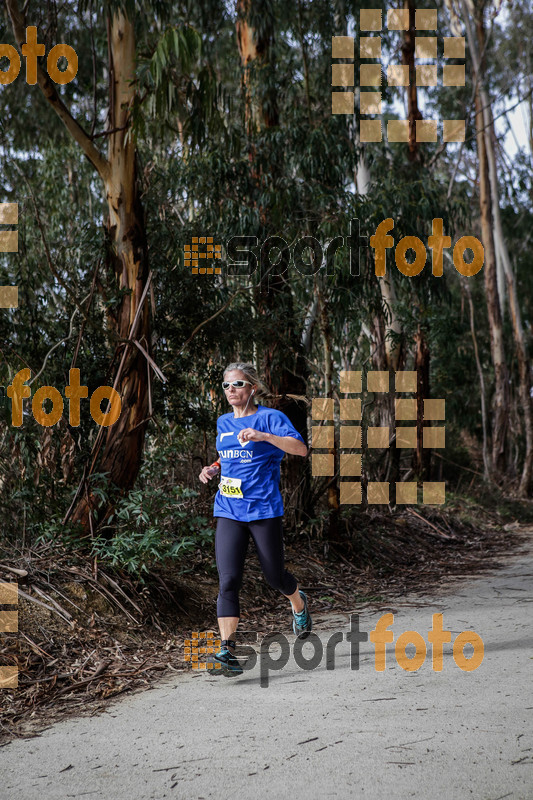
[20,572]
[440,533]
[106,594]
[44,605]
[51,600]
[99,670]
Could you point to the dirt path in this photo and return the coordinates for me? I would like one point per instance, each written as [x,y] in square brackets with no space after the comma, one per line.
[341,732]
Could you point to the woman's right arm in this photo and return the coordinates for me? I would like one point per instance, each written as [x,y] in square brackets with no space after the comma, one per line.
[209,472]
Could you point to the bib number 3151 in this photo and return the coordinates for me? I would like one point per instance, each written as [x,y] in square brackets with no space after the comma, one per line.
[230,487]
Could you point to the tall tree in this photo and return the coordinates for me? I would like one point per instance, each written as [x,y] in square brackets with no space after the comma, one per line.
[127,253]
[500,402]
[477,43]
[408,59]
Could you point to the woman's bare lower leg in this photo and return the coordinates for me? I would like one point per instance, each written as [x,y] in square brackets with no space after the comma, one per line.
[296,600]
[228,627]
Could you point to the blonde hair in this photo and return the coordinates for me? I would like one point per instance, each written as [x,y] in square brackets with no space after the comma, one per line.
[262,391]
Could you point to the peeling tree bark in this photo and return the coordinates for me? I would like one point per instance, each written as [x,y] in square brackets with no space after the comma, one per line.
[124,440]
[408,59]
[333,492]
[128,257]
[422,455]
[501,378]
[477,46]
[500,401]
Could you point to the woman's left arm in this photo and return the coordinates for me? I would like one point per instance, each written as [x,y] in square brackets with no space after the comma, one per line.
[289,444]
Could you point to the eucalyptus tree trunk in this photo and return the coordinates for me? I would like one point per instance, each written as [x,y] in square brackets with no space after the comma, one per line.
[408,59]
[333,491]
[477,46]
[422,455]
[246,41]
[500,401]
[484,419]
[127,254]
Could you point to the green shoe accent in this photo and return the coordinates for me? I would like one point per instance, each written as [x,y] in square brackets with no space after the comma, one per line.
[302,622]
[229,664]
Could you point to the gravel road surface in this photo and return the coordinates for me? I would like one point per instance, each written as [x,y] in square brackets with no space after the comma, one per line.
[309,734]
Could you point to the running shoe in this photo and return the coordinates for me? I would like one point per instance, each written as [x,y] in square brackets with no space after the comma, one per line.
[302,622]
[229,664]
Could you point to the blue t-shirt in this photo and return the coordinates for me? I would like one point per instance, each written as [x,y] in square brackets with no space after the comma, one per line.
[250,473]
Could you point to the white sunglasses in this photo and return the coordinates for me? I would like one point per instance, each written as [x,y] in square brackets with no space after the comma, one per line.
[237,384]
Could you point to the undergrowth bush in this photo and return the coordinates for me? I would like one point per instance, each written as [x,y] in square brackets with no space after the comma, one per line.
[151,524]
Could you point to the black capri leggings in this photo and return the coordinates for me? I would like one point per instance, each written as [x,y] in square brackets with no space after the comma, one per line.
[231,545]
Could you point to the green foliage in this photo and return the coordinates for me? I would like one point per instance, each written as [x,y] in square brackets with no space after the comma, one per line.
[146,524]
[202,171]
[157,522]
[148,527]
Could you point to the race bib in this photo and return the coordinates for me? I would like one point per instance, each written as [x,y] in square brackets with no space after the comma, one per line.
[230,487]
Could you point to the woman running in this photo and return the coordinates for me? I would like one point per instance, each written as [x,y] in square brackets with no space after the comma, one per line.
[251,443]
